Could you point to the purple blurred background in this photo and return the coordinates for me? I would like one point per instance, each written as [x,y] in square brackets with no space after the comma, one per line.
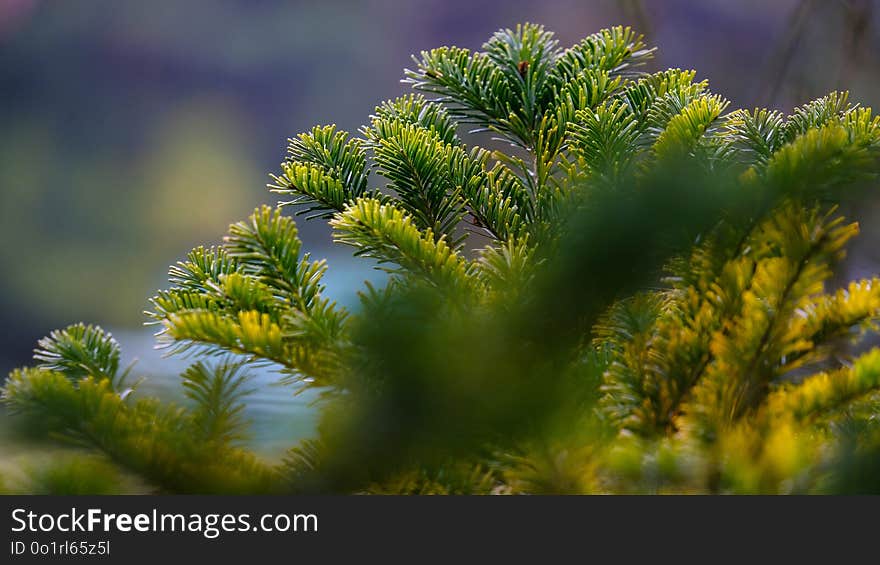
[132,131]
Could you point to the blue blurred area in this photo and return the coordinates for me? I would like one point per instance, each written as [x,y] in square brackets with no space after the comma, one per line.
[132,130]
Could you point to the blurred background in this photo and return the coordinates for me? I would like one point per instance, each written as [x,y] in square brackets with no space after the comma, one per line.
[131,131]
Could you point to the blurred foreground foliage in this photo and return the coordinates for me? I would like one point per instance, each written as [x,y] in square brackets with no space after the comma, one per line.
[635,296]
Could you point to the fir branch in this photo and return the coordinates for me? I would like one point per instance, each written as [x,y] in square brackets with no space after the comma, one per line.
[388,234]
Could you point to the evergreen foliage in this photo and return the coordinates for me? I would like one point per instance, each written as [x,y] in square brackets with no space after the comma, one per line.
[635,295]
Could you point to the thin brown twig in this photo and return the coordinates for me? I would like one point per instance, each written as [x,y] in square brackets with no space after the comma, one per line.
[780,62]
[635,11]
[858,14]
